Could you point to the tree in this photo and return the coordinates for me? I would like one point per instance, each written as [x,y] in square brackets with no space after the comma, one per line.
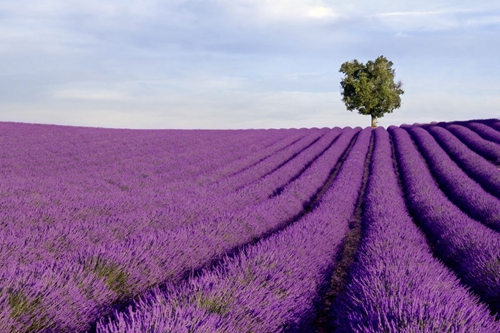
[370,88]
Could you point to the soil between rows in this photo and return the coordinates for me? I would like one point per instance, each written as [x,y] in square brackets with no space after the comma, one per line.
[345,257]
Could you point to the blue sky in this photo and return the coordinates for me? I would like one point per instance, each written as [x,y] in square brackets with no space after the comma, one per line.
[241,63]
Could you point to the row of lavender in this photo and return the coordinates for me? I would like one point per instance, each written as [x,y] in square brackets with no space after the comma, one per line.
[261,191]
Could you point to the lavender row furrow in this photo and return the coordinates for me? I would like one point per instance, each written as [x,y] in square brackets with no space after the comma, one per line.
[484,131]
[149,257]
[214,169]
[454,182]
[205,166]
[270,286]
[262,179]
[485,148]
[465,245]
[479,169]
[395,284]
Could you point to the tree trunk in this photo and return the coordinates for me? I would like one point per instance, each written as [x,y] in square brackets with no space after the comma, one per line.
[374,121]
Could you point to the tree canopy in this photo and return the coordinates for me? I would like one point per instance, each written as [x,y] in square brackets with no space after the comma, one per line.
[370,89]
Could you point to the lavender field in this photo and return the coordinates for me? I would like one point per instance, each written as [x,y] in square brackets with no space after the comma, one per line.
[284,230]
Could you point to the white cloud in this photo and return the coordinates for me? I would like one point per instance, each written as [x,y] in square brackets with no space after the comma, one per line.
[321,12]
[275,11]
[446,18]
[419,20]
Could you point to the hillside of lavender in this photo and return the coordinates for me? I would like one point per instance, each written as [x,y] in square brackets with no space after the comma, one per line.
[281,230]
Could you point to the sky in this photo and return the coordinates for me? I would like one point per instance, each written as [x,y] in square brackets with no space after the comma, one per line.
[236,64]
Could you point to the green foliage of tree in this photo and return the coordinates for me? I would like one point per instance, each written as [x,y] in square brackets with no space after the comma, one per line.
[370,89]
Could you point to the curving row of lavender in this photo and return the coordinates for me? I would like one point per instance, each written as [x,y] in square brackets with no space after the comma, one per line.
[477,168]
[462,190]
[106,230]
[484,147]
[494,123]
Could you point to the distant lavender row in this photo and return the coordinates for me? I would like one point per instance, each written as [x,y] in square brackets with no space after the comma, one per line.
[460,189]
[395,284]
[495,123]
[40,147]
[104,271]
[233,192]
[484,131]
[271,286]
[464,244]
[479,169]
[267,166]
[487,149]
[247,161]
[244,160]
